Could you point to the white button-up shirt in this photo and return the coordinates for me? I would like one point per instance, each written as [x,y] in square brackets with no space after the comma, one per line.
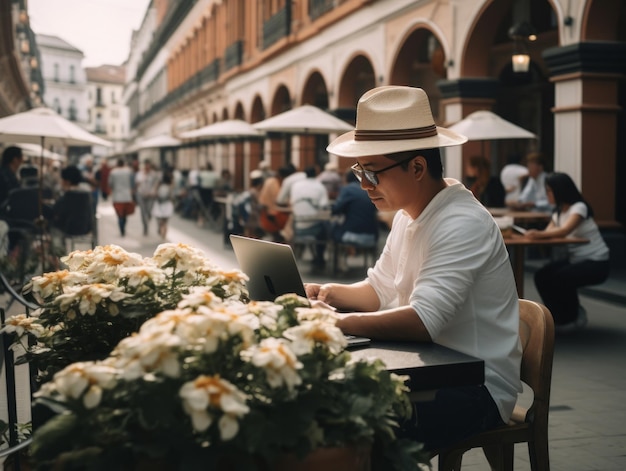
[452,267]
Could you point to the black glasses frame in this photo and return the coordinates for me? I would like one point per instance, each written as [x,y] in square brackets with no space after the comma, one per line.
[371,175]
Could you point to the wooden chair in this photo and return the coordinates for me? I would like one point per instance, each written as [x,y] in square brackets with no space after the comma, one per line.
[526,426]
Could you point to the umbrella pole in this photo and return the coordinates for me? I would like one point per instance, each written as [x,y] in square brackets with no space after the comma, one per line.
[41,223]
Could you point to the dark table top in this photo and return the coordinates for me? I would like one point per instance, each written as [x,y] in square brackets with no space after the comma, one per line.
[429,366]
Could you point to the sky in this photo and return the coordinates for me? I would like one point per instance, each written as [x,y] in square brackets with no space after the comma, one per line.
[100,28]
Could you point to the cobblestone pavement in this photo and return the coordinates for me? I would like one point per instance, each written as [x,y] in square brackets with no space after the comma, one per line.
[587,419]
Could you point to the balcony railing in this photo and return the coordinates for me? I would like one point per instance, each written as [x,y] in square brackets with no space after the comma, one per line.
[318,7]
[277,26]
[233,55]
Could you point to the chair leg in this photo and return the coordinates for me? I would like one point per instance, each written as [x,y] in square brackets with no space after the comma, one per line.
[500,457]
[450,460]
[539,456]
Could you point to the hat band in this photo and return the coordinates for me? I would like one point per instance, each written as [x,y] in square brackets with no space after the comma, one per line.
[395,134]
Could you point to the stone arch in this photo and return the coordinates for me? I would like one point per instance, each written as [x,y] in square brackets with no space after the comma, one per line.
[313,147]
[257,113]
[280,147]
[420,61]
[526,99]
[358,77]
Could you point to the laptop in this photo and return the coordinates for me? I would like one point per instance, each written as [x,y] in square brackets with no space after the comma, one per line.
[272,271]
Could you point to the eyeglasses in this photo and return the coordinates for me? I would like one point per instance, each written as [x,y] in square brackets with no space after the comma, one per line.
[371,175]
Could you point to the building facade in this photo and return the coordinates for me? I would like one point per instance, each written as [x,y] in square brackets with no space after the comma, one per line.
[21,84]
[107,114]
[209,60]
[65,79]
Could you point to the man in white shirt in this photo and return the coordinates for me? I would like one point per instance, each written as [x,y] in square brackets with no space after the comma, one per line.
[444,274]
[533,195]
[308,196]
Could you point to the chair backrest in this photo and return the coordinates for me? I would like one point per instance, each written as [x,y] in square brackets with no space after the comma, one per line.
[77,214]
[537,339]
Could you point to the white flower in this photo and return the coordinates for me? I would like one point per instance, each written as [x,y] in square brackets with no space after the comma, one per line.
[48,284]
[266,311]
[309,333]
[206,397]
[83,379]
[89,296]
[187,258]
[278,361]
[148,352]
[138,275]
[21,323]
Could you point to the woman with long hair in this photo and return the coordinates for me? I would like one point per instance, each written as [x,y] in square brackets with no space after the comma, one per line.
[586,264]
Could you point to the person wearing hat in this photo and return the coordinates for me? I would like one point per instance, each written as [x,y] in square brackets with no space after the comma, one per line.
[444,274]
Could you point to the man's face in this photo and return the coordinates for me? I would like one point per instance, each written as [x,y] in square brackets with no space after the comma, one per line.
[534,169]
[391,193]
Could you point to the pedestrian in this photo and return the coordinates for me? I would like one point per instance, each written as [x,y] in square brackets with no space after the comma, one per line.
[122,184]
[102,176]
[444,275]
[163,207]
[585,264]
[146,183]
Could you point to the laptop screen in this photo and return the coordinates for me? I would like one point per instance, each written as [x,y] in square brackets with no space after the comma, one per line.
[271,267]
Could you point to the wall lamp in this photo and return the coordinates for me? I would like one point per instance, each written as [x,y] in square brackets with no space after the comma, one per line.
[520,33]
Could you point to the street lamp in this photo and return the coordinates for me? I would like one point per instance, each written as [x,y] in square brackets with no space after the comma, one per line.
[520,33]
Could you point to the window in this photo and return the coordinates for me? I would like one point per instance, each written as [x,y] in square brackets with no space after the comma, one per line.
[56,72]
[72,71]
[73,112]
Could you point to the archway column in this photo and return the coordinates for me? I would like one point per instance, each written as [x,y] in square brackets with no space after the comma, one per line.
[459,98]
[587,79]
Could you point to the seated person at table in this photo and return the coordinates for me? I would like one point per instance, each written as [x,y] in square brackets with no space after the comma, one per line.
[73,211]
[444,274]
[307,198]
[359,225]
[586,264]
[533,195]
[486,188]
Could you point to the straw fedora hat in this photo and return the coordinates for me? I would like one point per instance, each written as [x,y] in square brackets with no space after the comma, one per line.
[393,119]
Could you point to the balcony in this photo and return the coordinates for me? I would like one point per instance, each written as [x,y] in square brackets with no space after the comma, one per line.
[233,55]
[318,7]
[277,27]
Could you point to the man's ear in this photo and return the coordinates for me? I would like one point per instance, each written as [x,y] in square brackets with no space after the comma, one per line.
[419,165]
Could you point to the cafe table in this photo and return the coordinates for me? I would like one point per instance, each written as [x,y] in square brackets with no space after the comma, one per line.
[517,244]
[520,217]
[428,365]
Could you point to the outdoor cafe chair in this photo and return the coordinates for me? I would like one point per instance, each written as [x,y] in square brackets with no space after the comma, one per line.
[526,425]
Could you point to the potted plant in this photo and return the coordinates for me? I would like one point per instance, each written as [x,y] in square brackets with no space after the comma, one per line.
[222,384]
[206,380]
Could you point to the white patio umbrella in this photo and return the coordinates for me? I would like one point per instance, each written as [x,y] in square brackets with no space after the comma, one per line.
[155,142]
[45,126]
[35,150]
[230,128]
[305,119]
[483,125]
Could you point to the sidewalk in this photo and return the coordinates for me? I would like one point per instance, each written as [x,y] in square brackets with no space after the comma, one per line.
[587,430]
